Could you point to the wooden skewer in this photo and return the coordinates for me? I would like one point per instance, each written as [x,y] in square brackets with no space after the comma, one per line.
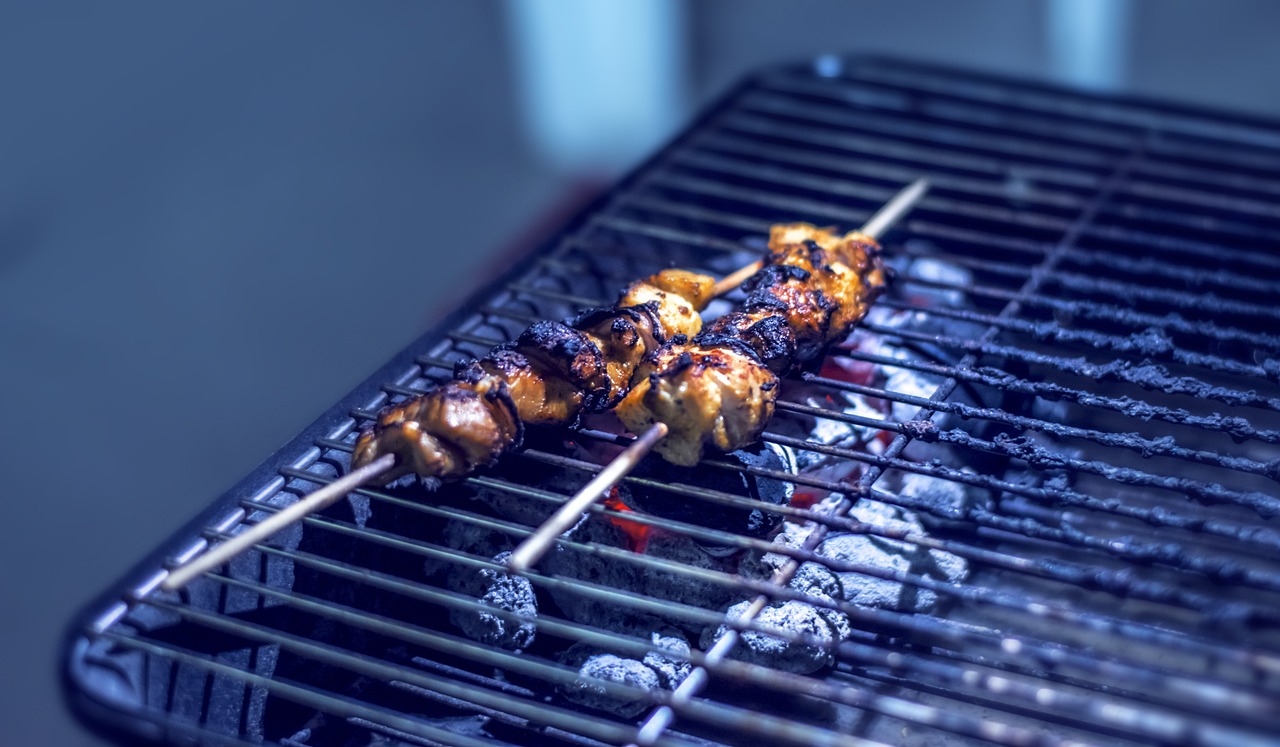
[736,278]
[895,208]
[533,548]
[317,501]
[875,227]
[537,544]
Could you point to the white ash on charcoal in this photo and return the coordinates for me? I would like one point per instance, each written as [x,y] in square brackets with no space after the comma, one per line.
[912,384]
[603,667]
[831,431]
[890,554]
[810,575]
[824,626]
[489,586]
[657,670]
[812,633]
[932,271]
[501,591]
[943,502]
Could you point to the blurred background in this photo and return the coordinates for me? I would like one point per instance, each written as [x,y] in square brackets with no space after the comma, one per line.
[217,218]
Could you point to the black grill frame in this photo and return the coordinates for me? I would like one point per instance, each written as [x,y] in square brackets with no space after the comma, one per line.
[88,684]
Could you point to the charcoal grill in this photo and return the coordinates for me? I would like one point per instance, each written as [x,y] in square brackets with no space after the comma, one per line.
[1086,295]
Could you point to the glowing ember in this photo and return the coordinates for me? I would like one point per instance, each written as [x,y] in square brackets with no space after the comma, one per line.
[804,499]
[637,533]
[847,369]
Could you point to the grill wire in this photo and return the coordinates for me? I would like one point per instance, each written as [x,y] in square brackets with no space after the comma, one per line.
[1105,380]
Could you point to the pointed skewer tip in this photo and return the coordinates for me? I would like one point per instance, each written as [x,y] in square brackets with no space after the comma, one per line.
[893,210]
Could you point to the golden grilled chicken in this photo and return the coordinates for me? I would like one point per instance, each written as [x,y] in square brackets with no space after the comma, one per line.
[716,397]
[680,295]
[549,375]
[719,390]
[845,269]
[448,432]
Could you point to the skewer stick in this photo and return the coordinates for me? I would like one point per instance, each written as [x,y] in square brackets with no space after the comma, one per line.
[895,208]
[736,278]
[875,227]
[532,549]
[317,501]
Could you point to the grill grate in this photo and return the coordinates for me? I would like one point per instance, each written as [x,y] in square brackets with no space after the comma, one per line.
[1077,363]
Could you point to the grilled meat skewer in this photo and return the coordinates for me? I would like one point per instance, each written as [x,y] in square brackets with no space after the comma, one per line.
[549,375]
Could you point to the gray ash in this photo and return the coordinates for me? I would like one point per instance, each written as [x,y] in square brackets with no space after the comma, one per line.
[594,530]
[824,629]
[502,591]
[678,587]
[586,690]
[657,670]
[893,555]
[942,503]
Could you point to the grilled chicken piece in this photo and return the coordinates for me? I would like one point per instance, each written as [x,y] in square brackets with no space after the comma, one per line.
[540,398]
[764,332]
[818,283]
[448,432]
[707,396]
[720,391]
[565,372]
[788,292]
[624,335]
[846,269]
[678,294]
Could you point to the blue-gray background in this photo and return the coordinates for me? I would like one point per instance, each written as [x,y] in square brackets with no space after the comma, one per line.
[216,218]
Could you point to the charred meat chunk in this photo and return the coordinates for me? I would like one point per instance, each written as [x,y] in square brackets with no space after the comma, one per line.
[448,432]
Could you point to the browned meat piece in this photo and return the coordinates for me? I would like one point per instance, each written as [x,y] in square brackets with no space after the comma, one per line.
[695,288]
[717,397]
[719,391]
[540,399]
[765,333]
[548,376]
[846,269]
[677,296]
[448,432]
[789,292]
[624,336]
[571,365]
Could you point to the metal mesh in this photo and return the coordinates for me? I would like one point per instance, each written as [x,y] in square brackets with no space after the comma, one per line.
[1077,362]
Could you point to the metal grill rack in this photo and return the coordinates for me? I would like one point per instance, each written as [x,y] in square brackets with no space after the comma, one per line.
[1098,340]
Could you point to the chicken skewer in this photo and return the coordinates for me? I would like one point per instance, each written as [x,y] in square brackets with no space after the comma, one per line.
[550,374]
[720,389]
